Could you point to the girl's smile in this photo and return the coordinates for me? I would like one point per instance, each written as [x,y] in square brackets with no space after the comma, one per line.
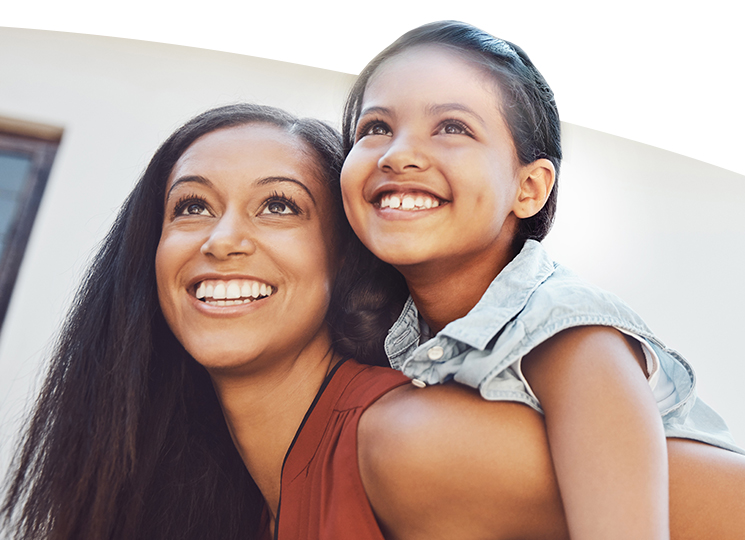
[433,175]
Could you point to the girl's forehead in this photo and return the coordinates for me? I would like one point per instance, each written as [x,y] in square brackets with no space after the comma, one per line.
[440,69]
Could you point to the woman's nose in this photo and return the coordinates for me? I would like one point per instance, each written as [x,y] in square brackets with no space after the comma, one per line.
[404,154]
[230,236]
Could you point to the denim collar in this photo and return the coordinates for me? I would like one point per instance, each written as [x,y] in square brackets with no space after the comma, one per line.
[502,301]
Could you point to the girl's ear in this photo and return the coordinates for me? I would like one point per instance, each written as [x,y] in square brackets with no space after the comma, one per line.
[536,182]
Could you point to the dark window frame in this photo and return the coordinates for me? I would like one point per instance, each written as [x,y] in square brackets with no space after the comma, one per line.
[40,143]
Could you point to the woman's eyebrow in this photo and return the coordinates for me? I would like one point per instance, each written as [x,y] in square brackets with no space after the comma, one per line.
[196,179]
[280,179]
[440,108]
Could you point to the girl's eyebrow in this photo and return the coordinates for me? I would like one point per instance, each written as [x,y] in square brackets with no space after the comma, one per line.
[440,108]
[278,179]
[376,110]
[188,179]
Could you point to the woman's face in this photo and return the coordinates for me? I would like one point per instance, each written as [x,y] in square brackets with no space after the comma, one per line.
[246,259]
[432,174]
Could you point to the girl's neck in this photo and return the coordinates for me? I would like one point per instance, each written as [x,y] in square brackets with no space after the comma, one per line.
[444,291]
[264,410]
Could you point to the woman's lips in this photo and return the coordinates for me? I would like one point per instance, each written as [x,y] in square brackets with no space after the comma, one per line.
[231,292]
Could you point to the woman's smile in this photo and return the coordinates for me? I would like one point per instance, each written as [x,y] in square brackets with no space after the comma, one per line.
[230,292]
[247,247]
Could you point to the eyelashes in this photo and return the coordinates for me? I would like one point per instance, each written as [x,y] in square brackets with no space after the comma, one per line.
[193,205]
[372,127]
[454,127]
[280,204]
[449,126]
[277,204]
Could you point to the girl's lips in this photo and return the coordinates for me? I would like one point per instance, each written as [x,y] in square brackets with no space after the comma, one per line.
[377,191]
[410,201]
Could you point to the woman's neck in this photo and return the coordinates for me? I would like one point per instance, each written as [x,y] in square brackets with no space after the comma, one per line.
[264,409]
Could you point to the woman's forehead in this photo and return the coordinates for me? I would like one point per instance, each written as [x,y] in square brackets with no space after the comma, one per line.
[249,149]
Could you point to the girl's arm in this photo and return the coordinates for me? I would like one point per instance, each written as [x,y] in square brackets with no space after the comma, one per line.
[440,463]
[604,432]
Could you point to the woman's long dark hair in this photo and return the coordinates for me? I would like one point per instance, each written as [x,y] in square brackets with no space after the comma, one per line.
[128,439]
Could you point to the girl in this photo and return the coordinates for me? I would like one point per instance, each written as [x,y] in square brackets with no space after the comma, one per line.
[453,144]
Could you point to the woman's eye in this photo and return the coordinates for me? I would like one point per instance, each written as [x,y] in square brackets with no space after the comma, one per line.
[196,209]
[278,207]
[192,208]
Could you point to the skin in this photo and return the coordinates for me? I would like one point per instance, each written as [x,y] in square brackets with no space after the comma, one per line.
[225,219]
[430,126]
[229,214]
[423,131]
[427,456]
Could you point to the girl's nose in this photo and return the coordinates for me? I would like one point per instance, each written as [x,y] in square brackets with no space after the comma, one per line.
[230,236]
[404,155]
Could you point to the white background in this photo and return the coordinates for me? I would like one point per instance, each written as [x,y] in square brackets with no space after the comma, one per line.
[662,230]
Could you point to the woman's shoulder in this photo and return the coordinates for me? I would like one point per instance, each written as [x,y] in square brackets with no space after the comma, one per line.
[443,451]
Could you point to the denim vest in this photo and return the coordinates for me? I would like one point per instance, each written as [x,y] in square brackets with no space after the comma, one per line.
[531,300]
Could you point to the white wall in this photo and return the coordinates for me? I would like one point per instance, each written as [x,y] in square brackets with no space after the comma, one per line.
[659,229]
[666,234]
[117,100]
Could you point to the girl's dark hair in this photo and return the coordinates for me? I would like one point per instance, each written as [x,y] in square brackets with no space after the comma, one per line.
[528,107]
[128,439]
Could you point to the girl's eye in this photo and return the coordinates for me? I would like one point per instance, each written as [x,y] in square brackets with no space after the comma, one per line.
[374,127]
[280,206]
[453,127]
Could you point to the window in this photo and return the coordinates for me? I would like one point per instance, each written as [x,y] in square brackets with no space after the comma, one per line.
[26,154]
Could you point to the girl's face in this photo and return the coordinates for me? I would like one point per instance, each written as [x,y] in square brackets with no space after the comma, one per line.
[433,174]
[246,259]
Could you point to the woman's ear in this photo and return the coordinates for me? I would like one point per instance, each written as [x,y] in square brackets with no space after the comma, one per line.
[536,182]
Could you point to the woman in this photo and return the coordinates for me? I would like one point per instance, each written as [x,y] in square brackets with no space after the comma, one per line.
[202,386]
[453,144]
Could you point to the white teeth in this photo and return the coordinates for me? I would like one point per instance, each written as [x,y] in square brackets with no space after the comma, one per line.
[219,293]
[407,201]
[246,289]
[234,291]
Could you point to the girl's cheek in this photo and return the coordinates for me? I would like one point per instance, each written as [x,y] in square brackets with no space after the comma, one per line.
[355,171]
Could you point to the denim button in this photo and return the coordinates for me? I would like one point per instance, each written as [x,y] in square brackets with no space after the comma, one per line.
[435,353]
[418,383]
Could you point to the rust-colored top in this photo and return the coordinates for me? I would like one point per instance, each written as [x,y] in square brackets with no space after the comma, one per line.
[322,496]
